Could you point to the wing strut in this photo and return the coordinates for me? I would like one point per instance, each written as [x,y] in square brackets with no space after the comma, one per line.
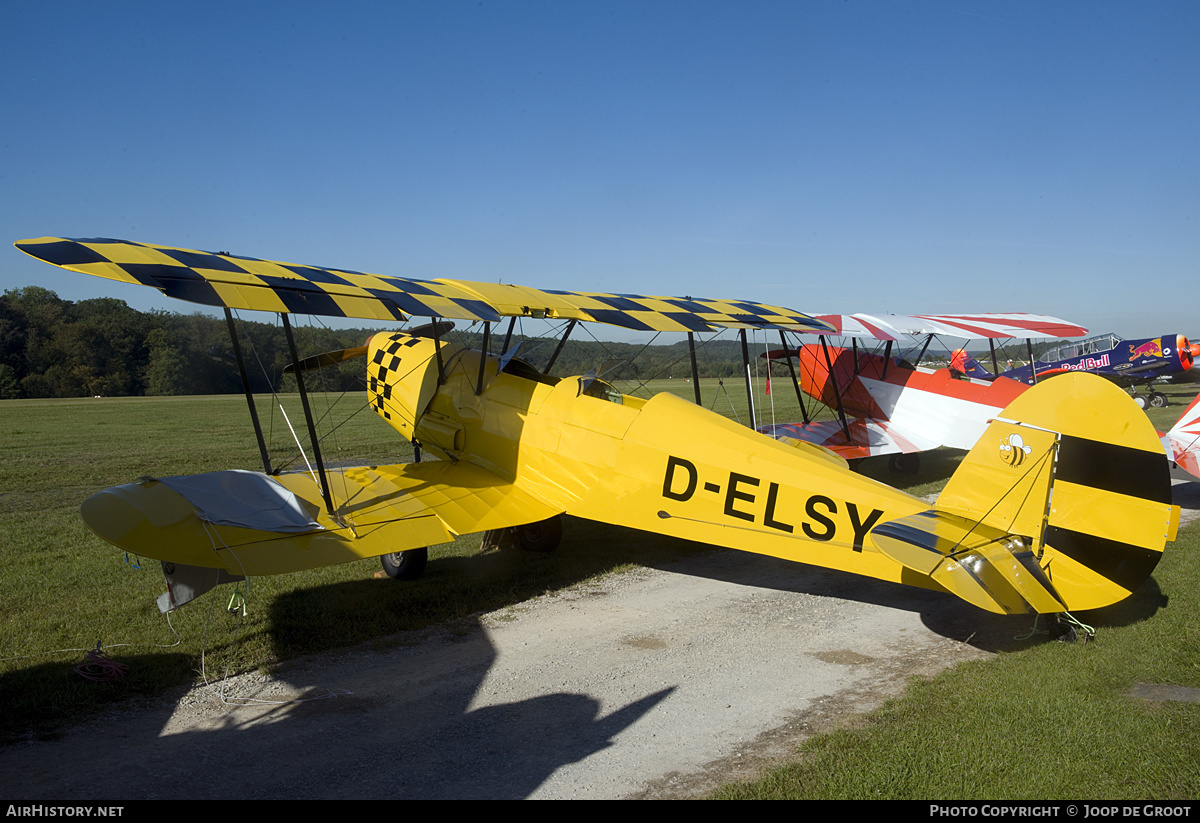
[483,356]
[241,364]
[695,373]
[795,382]
[562,342]
[924,348]
[746,371]
[512,321]
[992,346]
[308,418]
[1032,365]
[837,390]
[437,345]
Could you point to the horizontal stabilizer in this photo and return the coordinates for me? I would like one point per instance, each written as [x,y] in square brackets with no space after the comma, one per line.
[983,565]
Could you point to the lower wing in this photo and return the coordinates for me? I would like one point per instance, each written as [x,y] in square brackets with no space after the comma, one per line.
[205,520]
[863,437]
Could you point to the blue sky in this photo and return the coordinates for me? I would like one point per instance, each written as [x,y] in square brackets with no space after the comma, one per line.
[905,157]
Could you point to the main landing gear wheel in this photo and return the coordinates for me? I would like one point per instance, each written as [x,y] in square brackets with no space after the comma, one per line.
[542,536]
[1159,400]
[1142,401]
[904,463]
[407,565]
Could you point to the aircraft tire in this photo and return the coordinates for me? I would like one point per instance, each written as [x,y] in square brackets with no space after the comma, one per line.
[904,463]
[1159,400]
[1063,632]
[542,536]
[408,565]
[1142,401]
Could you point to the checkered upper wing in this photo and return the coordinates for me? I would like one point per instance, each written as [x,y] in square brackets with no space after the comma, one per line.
[223,279]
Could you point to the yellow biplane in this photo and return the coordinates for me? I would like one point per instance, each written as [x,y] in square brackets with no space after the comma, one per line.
[1063,504]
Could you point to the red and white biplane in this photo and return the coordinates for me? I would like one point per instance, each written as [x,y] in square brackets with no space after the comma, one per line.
[886,405]
[1183,440]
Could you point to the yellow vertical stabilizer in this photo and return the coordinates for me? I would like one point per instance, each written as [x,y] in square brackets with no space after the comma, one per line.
[1073,484]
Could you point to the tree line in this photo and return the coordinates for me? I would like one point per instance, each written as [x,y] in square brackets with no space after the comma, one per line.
[51,347]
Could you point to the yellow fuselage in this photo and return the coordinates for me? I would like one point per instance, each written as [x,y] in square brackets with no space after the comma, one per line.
[663,465]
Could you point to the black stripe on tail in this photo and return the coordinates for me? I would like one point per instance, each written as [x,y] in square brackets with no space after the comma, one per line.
[1113,468]
[1122,563]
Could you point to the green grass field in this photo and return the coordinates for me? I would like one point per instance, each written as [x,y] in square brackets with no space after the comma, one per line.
[1048,721]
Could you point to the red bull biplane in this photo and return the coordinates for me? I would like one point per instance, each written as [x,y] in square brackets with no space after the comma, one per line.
[1077,523]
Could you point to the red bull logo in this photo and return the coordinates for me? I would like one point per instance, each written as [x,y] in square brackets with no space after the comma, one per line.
[1088,364]
[1151,348]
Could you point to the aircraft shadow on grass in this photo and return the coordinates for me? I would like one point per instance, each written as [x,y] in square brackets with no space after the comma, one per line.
[393,724]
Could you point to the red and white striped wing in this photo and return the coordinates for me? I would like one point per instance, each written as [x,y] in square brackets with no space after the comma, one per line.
[969,326]
[998,326]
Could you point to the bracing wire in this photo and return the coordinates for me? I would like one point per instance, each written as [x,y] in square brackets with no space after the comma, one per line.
[321,419]
[642,385]
[767,359]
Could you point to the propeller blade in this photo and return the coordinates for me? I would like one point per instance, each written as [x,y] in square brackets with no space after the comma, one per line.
[329,358]
[332,358]
[438,329]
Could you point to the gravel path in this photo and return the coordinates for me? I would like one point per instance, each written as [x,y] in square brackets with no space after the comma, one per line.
[657,683]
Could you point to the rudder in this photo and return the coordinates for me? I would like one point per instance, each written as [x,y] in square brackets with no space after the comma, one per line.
[1063,504]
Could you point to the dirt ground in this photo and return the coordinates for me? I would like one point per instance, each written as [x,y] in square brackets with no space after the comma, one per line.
[654,684]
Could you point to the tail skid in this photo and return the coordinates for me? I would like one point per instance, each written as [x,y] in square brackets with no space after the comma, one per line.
[1063,504]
